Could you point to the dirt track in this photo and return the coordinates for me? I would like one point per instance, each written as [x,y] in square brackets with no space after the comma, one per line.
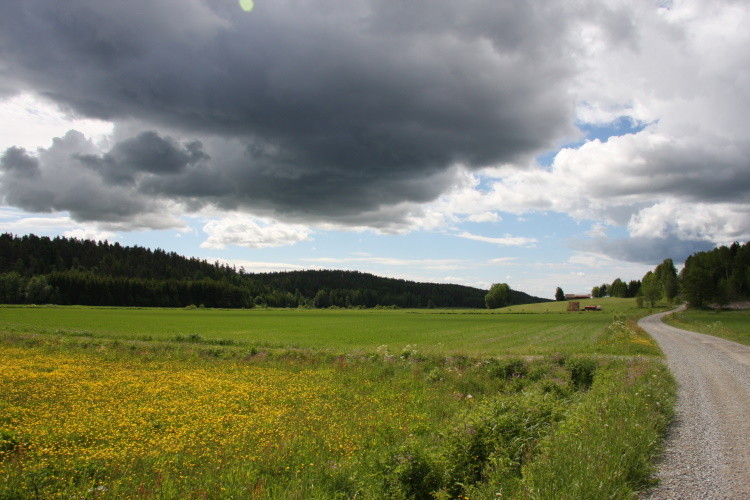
[708,446]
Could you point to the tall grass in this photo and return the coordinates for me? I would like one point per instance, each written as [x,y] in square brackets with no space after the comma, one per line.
[604,447]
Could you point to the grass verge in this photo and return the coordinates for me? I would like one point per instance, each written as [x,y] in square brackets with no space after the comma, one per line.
[732,325]
[604,449]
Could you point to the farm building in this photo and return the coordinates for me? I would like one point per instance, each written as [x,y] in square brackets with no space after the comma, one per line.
[577,296]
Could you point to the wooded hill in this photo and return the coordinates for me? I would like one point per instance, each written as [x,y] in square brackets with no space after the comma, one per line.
[59,270]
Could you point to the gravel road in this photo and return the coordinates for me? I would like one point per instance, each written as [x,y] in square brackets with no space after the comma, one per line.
[707,452]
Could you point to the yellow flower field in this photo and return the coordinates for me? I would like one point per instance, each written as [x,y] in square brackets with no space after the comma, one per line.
[170,419]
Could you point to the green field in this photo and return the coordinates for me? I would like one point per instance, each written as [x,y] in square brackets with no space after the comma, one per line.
[520,330]
[731,325]
[527,402]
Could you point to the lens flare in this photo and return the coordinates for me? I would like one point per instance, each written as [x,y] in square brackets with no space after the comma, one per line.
[247,5]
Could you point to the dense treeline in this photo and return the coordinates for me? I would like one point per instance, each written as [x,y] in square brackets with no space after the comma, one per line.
[719,276]
[356,289]
[618,288]
[661,283]
[37,269]
[353,288]
[59,270]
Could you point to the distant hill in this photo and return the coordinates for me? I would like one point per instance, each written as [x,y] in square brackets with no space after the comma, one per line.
[59,270]
[369,290]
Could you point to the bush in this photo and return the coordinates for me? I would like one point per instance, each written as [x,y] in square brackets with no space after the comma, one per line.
[582,371]
[412,474]
[507,368]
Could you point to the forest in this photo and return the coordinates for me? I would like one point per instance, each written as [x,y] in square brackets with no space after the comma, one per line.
[716,277]
[41,270]
[719,276]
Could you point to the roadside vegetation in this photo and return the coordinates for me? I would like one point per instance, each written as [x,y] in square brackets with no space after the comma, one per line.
[108,403]
[732,325]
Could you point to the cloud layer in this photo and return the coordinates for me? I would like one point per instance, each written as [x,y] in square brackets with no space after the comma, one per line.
[333,108]
[387,115]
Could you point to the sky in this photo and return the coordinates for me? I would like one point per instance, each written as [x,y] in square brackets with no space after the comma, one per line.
[541,144]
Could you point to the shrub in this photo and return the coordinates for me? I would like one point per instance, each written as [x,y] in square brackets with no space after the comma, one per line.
[507,368]
[411,474]
[582,371]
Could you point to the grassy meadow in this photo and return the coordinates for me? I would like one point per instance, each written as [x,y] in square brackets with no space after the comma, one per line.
[534,329]
[732,325]
[271,404]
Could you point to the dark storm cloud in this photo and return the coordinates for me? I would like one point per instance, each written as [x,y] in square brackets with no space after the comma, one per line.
[340,107]
[645,250]
[147,152]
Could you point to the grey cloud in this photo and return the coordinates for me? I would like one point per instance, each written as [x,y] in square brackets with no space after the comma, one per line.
[350,197]
[61,181]
[341,107]
[644,250]
[147,152]
[325,110]
[137,175]
[692,172]
[17,161]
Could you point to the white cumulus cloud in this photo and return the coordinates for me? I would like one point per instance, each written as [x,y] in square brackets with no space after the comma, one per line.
[243,231]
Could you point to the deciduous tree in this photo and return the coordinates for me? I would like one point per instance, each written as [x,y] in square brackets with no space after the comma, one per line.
[666,274]
[650,288]
[498,296]
[618,289]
